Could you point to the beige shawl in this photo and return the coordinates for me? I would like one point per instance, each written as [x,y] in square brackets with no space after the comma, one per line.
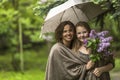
[63,64]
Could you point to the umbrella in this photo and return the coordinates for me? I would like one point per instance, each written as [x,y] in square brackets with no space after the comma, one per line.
[72,10]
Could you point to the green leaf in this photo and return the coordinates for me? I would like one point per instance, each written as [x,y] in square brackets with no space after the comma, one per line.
[89,44]
[95,57]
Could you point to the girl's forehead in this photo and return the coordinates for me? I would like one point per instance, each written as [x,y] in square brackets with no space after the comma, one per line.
[81,28]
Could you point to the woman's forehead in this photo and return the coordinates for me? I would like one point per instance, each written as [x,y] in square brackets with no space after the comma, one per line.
[67,27]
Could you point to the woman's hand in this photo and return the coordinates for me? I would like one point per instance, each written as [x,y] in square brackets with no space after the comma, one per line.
[90,65]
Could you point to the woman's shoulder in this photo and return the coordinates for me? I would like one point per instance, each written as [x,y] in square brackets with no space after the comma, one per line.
[59,47]
[56,46]
[55,50]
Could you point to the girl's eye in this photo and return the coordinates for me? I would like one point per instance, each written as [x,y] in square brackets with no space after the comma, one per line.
[79,33]
[84,31]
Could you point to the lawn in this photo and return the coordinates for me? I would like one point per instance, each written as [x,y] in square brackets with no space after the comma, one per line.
[28,75]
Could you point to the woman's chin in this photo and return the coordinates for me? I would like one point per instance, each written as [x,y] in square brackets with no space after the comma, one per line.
[82,41]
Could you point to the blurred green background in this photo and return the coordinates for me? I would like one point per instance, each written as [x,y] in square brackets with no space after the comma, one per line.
[23,55]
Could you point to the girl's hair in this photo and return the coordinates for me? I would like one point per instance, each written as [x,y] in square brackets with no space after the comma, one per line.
[60,28]
[77,43]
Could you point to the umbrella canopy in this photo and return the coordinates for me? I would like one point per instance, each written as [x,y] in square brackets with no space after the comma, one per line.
[72,10]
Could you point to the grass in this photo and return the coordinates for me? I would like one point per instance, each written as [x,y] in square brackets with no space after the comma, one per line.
[28,75]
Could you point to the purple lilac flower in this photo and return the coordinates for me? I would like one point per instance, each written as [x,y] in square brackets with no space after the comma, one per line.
[101,38]
[103,33]
[104,45]
[108,39]
[102,42]
[100,49]
[93,34]
[85,41]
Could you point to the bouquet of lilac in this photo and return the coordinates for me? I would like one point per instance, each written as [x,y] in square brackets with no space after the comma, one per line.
[100,44]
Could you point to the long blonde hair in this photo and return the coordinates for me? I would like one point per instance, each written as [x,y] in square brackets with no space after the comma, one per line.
[77,43]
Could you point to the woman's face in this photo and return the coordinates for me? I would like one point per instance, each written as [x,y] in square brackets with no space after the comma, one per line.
[67,35]
[81,33]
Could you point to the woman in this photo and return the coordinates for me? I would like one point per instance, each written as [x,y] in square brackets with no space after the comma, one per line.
[62,63]
[95,71]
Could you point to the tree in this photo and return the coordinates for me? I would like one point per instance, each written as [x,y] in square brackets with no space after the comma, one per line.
[17,16]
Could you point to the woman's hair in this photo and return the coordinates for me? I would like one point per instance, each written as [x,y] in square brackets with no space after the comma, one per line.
[77,43]
[60,28]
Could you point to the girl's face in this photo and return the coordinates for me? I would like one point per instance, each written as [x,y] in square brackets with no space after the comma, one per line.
[81,33]
[67,35]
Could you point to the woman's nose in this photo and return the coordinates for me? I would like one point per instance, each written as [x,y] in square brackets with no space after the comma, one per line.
[82,34]
[68,32]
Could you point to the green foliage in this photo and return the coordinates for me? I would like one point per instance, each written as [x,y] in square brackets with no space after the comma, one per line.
[93,44]
[114,6]
[95,57]
[117,65]
[19,12]
[42,9]
[33,59]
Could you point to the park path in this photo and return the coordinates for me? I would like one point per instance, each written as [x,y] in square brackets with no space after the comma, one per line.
[115,75]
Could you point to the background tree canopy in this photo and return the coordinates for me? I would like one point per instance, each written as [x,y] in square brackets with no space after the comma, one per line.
[14,13]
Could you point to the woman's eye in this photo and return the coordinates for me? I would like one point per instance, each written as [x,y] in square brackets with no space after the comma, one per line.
[70,30]
[64,31]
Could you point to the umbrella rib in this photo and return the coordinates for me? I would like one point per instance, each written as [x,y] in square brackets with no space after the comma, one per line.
[75,13]
[84,14]
[62,16]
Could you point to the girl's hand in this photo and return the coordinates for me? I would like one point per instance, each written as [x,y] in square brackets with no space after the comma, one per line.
[90,65]
[98,71]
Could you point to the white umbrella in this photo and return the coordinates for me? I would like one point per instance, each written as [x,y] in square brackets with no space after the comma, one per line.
[72,10]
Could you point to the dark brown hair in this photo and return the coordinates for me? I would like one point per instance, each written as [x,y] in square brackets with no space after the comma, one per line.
[60,28]
[77,44]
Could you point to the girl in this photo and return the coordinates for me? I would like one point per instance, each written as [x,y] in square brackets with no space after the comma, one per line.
[94,70]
